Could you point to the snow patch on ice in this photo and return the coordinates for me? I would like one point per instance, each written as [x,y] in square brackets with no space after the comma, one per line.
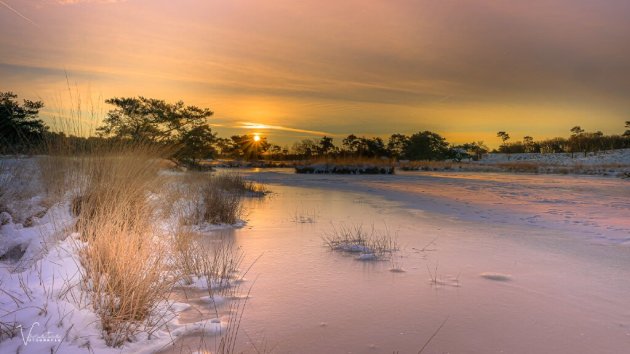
[496,276]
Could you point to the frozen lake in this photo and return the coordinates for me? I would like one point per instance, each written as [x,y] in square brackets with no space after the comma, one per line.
[524,264]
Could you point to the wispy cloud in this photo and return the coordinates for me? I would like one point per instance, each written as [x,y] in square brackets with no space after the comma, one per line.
[259,126]
[17,13]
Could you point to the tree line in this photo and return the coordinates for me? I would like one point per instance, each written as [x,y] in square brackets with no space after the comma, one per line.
[578,141]
[183,131]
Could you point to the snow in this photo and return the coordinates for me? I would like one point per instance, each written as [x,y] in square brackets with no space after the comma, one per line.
[43,296]
[496,276]
[42,308]
[609,157]
[509,250]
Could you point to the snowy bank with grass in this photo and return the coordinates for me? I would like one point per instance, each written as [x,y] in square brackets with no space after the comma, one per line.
[93,248]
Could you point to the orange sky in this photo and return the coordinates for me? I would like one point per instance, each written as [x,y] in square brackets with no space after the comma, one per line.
[293,69]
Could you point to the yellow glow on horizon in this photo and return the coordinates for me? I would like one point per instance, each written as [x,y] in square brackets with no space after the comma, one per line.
[256,137]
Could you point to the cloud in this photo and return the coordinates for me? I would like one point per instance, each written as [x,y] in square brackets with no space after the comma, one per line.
[260,126]
[343,66]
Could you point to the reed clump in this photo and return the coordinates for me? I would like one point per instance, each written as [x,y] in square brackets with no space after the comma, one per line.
[369,244]
[124,261]
[214,260]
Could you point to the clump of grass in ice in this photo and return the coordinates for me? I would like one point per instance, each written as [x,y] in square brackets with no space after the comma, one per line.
[216,262]
[214,199]
[235,183]
[369,245]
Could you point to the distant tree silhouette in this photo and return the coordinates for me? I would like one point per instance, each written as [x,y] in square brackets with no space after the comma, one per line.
[396,145]
[372,147]
[576,141]
[475,150]
[20,128]
[529,145]
[306,148]
[325,146]
[246,147]
[351,143]
[427,145]
[504,138]
[627,132]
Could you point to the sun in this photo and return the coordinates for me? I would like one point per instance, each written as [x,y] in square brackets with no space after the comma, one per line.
[256,137]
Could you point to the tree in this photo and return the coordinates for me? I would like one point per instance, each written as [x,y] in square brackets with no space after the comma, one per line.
[351,143]
[245,146]
[20,127]
[529,144]
[577,130]
[576,141]
[154,121]
[326,146]
[396,145]
[372,147]
[427,145]
[196,144]
[475,150]
[504,136]
[306,148]
[627,132]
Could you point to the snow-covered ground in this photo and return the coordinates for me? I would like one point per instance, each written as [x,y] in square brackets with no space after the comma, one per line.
[513,263]
[43,308]
[610,157]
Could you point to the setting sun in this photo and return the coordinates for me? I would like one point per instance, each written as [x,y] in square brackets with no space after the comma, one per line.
[256,137]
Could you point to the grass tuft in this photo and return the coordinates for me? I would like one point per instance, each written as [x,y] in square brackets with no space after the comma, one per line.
[368,244]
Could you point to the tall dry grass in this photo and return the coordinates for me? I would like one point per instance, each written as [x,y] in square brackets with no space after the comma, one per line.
[215,260]
[116,194]
[124,261]
[212,198]
[125,272]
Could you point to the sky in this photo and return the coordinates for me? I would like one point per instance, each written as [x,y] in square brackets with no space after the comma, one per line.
[302,69]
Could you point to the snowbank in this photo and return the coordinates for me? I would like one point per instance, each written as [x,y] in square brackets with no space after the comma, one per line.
[43,308]
[610,157]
